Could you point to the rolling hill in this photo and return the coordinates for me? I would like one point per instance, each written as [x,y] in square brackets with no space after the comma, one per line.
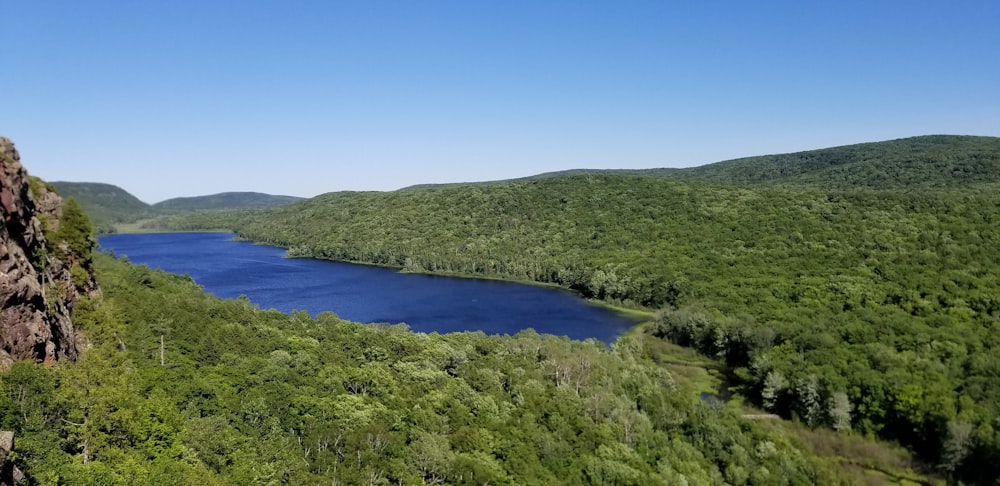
[108,205]
[225,200]
[916,162]
[931,161]
[105,204]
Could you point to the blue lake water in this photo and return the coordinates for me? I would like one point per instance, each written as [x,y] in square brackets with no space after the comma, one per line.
[365,293]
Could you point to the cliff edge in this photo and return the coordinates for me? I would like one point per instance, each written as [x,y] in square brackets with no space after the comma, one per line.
[45,265]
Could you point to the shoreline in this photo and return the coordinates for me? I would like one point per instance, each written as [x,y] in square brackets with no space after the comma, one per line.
[636,317]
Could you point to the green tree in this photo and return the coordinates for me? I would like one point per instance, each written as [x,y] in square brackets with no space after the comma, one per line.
[75,229]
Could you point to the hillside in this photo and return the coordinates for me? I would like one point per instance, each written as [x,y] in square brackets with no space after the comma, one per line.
[212,392]
[932,161]
[861,308]
[105,204]
[108,205]
[667,172]
[245,396]
[225,200]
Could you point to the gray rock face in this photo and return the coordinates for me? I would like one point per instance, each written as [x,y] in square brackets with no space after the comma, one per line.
[37,289]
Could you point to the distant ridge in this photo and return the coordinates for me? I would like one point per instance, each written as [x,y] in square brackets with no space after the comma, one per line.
[664,172]
[923,161]
[108,205]
[225,200]
[105,204]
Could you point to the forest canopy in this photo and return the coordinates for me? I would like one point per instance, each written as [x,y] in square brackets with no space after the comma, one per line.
[184,388]
[859,294]
[852,290]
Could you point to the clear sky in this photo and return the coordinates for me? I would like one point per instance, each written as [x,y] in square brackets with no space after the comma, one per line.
[183,97]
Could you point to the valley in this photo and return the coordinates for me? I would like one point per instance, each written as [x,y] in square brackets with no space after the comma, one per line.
[850,291]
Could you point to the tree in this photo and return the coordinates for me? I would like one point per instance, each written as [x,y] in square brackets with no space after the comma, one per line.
[774,386]
[809,404]
[75,229]
[839,410]
[957,446]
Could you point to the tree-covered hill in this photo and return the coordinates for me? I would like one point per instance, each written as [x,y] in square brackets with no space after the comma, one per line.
[108,205]
[874,310]
[105,204]
[666,172]
[932,161]
[225,200]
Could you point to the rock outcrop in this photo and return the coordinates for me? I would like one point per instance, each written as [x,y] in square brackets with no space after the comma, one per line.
[44,268]
[10,475]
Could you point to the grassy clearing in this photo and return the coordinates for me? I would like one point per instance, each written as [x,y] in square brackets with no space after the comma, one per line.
[693,372]
[871,462]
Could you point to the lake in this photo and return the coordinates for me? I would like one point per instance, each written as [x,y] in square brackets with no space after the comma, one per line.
[365,293]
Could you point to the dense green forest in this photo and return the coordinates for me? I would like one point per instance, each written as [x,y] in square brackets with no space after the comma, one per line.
[179,387]
[871,306]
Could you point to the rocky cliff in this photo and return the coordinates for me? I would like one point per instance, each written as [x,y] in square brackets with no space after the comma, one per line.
[45,265]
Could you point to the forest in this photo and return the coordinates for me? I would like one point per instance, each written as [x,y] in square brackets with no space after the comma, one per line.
[852,291]
[179,387]
[858,292]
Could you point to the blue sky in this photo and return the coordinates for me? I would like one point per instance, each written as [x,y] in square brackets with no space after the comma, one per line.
[183,98]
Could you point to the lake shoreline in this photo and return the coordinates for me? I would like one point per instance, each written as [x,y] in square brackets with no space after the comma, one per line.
[642,314]
[228,266]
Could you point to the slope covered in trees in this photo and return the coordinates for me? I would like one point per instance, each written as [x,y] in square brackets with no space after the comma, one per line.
[105,204]
[931,161]
[874,310]
[184,388]
[108,205]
